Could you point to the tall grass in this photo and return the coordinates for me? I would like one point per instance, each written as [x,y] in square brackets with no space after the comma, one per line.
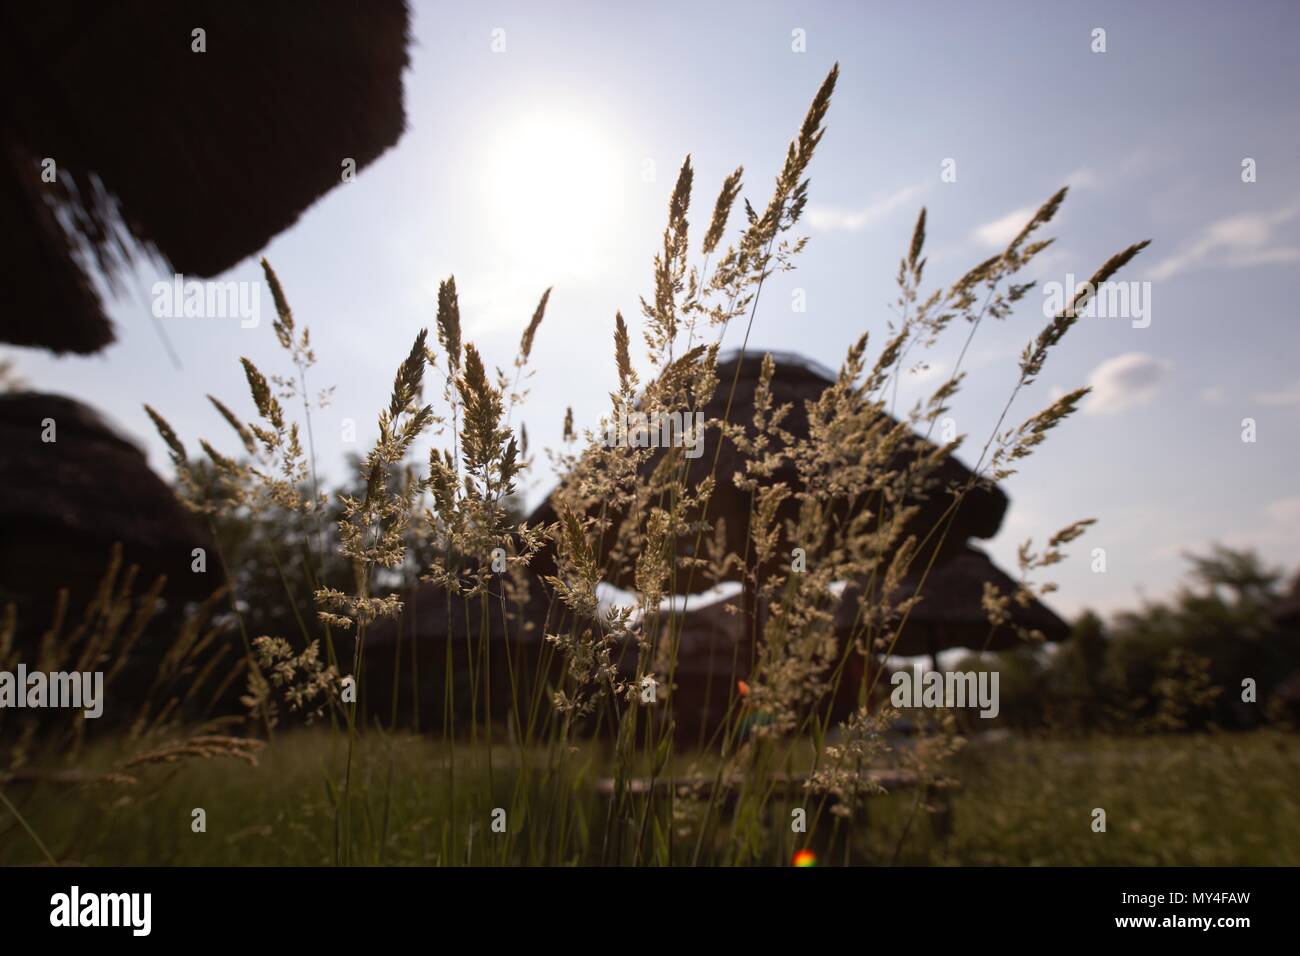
[579,710]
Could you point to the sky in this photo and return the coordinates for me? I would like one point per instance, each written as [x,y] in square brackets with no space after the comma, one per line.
[542,144]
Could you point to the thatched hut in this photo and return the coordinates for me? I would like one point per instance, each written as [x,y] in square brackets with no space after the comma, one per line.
[201,156]
[953,616]
[716,645]
[73,487]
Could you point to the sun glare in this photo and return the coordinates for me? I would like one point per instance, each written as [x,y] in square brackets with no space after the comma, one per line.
[554,191]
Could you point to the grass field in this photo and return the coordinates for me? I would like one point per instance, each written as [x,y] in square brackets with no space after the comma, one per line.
[1198,800]
[521,785]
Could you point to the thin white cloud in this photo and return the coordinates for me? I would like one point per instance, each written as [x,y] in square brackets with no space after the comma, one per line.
[1000,232]
[1270,529]
[1083,178]
[1285,396]
[1237,242]
[1284,511]
[1125,381]
[1273,532]
[832,218]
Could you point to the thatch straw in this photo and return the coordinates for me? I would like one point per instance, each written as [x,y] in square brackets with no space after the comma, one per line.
[199,157]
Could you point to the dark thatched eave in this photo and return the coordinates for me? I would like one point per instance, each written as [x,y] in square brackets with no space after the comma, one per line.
[200,157]
[47,300]
[950,615]
[951,612]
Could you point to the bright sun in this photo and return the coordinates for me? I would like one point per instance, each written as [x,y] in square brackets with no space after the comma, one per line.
[555,190]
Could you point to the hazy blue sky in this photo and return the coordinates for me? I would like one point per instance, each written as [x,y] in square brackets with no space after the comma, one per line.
[525,168]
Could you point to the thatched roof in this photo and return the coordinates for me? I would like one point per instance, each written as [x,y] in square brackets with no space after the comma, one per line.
[796,381]
[200,157]
[66,503]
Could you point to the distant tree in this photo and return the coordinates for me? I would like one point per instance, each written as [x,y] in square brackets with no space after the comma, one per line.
[1222,618]
[1170,665]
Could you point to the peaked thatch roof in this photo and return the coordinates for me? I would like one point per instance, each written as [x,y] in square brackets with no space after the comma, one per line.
[202,157]
[795,381]
[66,503]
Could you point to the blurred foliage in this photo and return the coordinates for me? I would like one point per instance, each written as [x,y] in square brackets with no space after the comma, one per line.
[1168,666]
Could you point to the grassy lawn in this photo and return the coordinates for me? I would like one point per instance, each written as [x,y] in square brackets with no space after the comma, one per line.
[1198,800]
[1225,800]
